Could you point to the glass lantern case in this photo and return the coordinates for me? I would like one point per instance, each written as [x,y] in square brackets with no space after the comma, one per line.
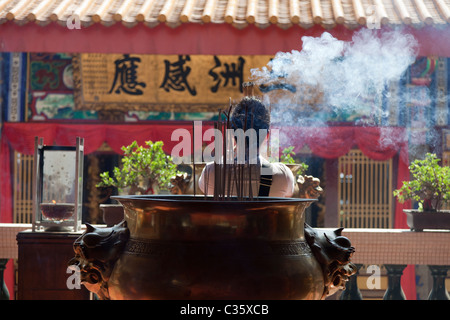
[58,187]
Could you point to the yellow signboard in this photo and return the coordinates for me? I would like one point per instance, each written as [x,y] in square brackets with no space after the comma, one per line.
[188,83]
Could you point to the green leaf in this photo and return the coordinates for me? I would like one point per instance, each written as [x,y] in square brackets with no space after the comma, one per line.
[142,168]
[430,182]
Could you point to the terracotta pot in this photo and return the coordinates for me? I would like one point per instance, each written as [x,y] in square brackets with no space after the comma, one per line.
[186,247]
[418,221]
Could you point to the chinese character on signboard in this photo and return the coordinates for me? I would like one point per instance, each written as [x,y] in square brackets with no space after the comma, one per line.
[125,77]
[229,72]
[176,75]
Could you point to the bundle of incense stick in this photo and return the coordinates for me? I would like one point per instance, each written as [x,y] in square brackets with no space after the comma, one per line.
[232,179]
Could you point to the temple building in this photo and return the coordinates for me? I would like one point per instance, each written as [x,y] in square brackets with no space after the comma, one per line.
[116,71]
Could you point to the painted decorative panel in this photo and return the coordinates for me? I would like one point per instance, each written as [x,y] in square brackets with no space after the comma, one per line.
[51,88]
[13,86]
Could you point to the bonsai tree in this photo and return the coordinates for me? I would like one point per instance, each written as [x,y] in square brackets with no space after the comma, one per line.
[429,186]
[143,168]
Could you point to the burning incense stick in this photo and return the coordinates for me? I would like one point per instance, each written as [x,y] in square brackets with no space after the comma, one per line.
[234,176]
[193,157]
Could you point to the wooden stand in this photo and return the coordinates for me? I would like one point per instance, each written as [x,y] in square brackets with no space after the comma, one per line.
[43,261]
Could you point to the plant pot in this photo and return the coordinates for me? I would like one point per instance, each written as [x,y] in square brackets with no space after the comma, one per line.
[418,221]
[187,187]
[112,213]
[294,167]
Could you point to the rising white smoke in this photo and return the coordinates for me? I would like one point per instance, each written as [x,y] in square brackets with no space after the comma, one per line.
[349,77]
[334,78]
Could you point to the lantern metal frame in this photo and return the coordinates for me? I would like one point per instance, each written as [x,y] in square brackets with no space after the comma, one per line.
[40,223]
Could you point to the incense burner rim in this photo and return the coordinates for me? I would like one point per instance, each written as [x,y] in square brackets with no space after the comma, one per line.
[210,199]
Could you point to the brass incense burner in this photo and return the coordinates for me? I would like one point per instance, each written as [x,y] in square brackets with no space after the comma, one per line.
[192,247]
[225,246]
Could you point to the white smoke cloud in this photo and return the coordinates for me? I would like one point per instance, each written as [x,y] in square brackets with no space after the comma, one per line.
[349,77]
[334,78]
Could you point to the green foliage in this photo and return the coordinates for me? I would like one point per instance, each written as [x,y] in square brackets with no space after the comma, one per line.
[286,155]
[142,169]
[287,158]
[430,185]
[303,168]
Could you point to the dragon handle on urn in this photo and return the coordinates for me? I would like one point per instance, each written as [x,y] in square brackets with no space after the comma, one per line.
[330,248]
[309,187]
[333,252]
[96,252]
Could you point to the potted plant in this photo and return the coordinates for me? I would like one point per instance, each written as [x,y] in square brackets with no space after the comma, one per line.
[430,188]
[306,186]
[144,170]
[287,158]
